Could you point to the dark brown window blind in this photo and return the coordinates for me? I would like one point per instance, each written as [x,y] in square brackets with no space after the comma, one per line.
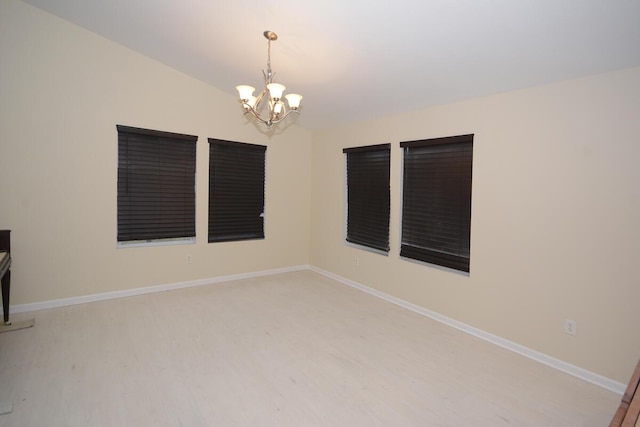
[368,195]
[436,205]
[236,190]
[156,184]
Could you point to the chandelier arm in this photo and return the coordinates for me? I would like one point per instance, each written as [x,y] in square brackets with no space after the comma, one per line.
[285,116]
[250,110]
[272,118]
[260,98]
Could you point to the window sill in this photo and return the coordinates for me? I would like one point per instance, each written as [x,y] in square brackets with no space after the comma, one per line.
[157,242]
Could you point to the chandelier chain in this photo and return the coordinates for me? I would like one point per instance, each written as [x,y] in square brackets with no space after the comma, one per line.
[269,59]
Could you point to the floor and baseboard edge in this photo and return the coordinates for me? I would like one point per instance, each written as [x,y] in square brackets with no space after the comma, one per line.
[22,308]
[560,365]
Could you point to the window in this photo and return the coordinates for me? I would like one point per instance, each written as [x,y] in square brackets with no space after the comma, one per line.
[368,196]
[156,185]
[236,191]
[436,205]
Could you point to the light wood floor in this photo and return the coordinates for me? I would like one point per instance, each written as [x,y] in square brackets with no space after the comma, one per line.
[295,349]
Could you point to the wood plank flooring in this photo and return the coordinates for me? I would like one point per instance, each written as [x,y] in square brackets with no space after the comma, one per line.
[296,349]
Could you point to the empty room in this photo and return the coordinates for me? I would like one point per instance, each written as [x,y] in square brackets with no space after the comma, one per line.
[336,213]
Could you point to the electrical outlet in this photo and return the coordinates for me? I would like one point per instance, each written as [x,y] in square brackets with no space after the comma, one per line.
[188,259]
[570,327]
[356,261]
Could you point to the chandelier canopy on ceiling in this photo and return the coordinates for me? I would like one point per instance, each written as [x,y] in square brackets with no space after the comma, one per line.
[268,107]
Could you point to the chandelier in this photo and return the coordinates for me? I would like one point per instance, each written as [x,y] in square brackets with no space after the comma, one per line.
[268,107]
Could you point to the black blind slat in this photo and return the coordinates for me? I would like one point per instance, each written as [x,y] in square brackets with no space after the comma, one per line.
[368,196]
[236,190]
[436,211]
[156,184]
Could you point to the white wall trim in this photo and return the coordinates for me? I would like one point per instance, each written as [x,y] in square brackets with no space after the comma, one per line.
[22,308]
[560,365]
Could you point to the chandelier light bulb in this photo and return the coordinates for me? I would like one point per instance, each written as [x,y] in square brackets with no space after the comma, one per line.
[245,92]
[251,102]
[294,100]
[276,90]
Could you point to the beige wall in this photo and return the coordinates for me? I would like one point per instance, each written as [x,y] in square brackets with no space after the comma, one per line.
[555,194]
[63,90]
[555,232]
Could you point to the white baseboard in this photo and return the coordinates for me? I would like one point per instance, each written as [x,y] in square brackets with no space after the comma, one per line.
[568,368]
[560,365]
[22,308]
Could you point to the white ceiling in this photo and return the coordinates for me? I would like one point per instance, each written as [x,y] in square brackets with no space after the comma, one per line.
[357,59]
